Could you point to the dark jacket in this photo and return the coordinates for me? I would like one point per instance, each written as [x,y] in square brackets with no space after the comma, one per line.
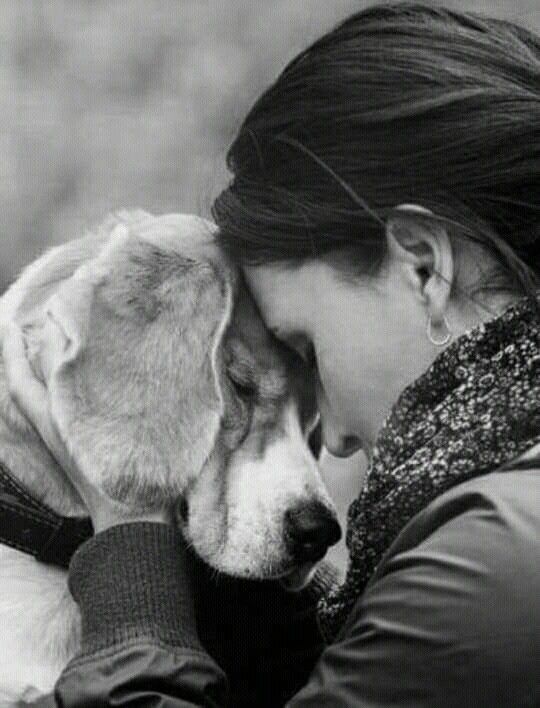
[451,618]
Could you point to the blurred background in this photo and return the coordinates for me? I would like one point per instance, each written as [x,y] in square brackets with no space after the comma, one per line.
[108,104]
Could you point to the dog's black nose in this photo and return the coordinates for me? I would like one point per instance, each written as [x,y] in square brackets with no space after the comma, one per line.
[309,530]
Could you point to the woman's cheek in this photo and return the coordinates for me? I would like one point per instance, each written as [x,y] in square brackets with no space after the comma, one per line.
[337,395]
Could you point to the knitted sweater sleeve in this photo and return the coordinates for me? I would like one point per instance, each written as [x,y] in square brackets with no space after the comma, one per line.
[139,644]
[145,602]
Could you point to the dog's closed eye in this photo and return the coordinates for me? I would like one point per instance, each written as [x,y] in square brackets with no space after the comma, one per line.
[243,383]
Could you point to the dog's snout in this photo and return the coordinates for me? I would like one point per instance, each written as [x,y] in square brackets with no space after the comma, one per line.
[309,530]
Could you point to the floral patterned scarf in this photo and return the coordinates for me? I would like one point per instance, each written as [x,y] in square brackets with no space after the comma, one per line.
[475,408]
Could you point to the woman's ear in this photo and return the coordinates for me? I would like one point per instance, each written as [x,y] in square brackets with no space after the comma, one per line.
[421,246]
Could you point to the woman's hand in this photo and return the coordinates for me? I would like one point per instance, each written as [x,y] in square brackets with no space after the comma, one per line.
[32,398]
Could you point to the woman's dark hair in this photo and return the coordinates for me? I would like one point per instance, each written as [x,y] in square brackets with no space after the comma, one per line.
[401,103]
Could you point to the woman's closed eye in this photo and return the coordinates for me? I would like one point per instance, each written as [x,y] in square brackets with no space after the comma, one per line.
[304,348]
[300,344]
[309,355]
[243,383]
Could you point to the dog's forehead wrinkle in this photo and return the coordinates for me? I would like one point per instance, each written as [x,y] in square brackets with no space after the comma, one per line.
[146,280]
[149,266]
[189,235]
[147,261]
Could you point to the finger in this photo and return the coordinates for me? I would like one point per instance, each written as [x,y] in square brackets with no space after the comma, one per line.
[26,390]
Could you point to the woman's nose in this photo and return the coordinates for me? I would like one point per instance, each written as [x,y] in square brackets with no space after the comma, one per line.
[344,446]
[336,440]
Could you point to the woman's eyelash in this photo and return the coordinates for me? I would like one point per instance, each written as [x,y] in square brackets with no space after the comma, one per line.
[302,347]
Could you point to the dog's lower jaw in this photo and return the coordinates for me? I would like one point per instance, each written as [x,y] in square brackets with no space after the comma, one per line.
[299,578]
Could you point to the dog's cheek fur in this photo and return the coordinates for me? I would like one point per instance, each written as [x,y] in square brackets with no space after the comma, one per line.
[206,524]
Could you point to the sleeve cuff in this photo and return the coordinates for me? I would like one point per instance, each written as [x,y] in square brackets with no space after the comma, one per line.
[133,581]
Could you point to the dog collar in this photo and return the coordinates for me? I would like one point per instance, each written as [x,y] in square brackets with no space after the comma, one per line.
[32,527]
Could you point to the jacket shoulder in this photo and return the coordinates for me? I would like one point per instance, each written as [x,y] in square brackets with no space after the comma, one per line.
[451,616]
[503,506]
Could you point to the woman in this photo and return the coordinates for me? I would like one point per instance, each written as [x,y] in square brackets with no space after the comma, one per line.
[385,210]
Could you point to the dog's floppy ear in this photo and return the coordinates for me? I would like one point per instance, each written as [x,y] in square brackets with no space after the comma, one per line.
[135,382]
[64,331]
[63,334]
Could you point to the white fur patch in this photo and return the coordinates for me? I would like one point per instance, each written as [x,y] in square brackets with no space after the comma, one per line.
[40,626]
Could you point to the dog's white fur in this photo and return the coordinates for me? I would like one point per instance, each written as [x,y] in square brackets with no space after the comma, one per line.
[137,330]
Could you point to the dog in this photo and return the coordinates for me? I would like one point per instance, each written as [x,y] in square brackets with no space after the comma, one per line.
[165,383]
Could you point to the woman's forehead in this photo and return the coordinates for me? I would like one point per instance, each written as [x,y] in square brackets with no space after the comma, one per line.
[283,295]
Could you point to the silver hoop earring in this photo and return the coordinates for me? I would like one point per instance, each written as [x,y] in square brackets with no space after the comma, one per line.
[447,337]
